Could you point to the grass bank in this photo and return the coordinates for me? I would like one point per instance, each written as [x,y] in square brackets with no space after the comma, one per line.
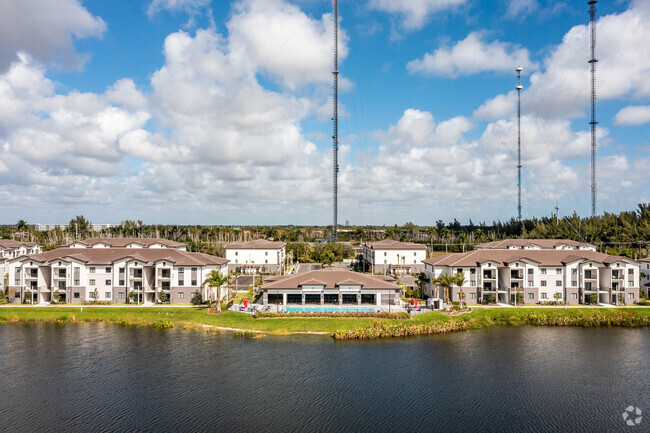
[339,327]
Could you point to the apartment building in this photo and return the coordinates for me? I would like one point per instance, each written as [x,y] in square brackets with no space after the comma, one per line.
[576,274]
[259,256]
[128,243]
[393,257]
[111,274]
[645,275]
[10,248]
[536,244]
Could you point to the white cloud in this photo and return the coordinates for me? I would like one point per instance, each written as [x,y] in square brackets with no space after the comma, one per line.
[521,8]
[498,107]
[633,115]
[470,56]
[46,30]
[414,13]
[285,43]
[188,6]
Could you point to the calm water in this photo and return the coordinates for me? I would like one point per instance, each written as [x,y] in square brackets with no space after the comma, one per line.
[96,377]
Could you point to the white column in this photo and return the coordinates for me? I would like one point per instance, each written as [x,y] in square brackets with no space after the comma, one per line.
[284,299]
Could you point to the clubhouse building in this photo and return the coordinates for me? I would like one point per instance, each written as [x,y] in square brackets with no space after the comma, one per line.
[331,287]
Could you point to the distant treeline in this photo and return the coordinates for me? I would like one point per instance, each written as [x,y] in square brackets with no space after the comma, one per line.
[626,233]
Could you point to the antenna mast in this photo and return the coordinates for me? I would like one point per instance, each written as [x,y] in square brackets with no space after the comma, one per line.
[519,87]
[335,120]
[593,123]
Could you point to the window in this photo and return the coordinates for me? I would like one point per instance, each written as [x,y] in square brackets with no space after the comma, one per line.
[121,282]
[108,270]
[558,283]
[107,295]
[121,270]
[193,269]
[472,271]
[266,253]
[91,282]
[181,270]
[76,295]
[17,282]
[384,253]
[194,282]
[630,283]
[76,282]
[558,271]
[181,295]
[384,261]
[459,270]
[543,283]
[472,283]
[236,261]
[120,295]
[415,253]
[266,261]
[530,284]
[574,296]
[530,271]
[543,271]
[91,270]
[108,282]
[181,282]
[543,295]
[574,284]
[630,296]
[472,296]
[574,271]
[76,270]
[236,253]
[531,296]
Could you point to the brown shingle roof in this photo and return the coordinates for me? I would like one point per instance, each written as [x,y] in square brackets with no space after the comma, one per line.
[390,244]
[331,278]
[106,256]
[9,243]
[503,257]
[260,244]
[123,242]
[541,243]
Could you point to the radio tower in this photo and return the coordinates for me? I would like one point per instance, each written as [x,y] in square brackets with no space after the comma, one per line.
[519,87]
[335,120]
[593,123]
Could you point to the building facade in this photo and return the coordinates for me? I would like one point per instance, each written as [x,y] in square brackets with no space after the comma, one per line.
[393,257]
[260,256]
[331,287]
[645,275]
[536,275]
[112,274]
[128,243]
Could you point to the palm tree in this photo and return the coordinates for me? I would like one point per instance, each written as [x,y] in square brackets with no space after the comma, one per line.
[215,279]
[459,280]
[445,281]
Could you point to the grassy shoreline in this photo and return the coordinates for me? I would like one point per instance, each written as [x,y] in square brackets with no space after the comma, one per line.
[337,327]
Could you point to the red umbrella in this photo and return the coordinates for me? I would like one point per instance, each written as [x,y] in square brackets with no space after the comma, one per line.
[416,304]
[412,301]
[245,303]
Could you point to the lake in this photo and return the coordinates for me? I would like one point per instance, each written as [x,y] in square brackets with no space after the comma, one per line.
[99,377]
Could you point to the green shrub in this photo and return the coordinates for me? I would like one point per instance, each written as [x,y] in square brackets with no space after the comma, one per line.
[197,298]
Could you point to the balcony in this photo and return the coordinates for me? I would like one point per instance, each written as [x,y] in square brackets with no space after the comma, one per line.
[516,275]
[489,275]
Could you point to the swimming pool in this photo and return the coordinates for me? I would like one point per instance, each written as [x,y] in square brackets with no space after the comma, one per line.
[331,309]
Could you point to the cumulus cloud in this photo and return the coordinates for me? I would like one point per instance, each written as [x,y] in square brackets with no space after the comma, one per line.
[414,13]
[470,56]
[284,42]
[633,115]
[46,30]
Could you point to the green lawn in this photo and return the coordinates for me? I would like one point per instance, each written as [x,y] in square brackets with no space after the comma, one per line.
[170,316]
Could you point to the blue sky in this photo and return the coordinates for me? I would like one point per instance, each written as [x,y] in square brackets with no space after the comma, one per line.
[217,112]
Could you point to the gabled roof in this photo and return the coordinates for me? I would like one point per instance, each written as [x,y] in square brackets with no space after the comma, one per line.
[330,278]
[107,256]
[390,244]
[123,242]
[543,257]
[260,244]
[11,244]
[540,243]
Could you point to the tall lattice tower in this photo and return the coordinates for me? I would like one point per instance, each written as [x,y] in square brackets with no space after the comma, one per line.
[593,123]
[519,87]
[335,121]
